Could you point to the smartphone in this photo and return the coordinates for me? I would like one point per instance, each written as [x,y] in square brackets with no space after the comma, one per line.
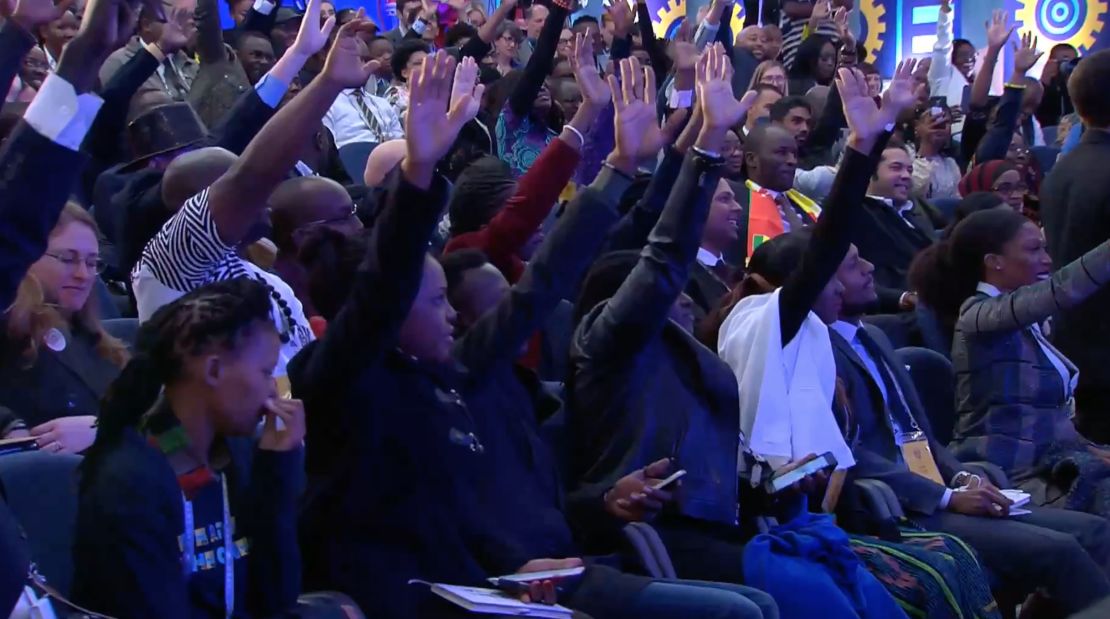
[668,482]
[17,445]
[517,584]
[937,106]
[780,482]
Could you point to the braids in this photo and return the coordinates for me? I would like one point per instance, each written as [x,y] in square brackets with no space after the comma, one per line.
[218,314]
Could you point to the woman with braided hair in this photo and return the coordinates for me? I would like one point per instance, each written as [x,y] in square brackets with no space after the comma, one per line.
[172,468]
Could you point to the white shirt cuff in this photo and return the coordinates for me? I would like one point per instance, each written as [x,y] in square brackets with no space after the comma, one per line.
[679,98]
[264,6]
[61,116]
[946,499]
[271,90]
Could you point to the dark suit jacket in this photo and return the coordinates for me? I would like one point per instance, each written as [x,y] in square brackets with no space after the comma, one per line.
[1075,210]
[37,178]
[705,288]
[877,455]
[884,239]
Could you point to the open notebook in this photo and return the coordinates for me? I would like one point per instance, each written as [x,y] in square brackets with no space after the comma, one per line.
[493,602]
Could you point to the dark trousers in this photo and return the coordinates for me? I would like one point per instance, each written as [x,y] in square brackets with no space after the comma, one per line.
[1062,551]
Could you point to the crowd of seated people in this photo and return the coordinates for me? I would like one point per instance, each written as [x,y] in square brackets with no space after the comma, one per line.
[317,319]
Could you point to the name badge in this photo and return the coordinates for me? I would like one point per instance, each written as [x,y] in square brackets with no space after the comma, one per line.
[918,456]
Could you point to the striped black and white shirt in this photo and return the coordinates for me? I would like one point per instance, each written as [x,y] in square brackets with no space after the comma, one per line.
[792,35]
[188,253]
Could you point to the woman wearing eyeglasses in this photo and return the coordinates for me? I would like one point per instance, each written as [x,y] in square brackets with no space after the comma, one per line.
[56,360]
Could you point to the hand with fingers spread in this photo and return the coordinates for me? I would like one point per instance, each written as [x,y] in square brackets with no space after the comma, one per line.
[313,35]
[637,130]
[344,66]
[843,33]
[635,498]
[720,110]
[595,91]
[107,25]
[291,435]
[998,30]
[621,14]
[903,92]
[434,117]
[865,118]
[30,14]
[1025,55]
[177,31]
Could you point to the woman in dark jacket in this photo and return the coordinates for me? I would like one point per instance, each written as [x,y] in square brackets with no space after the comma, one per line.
[172,468]
[56,360]
[1014,390]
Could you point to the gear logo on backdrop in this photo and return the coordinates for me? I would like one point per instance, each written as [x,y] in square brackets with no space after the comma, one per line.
[669,17]
[874,26]
[1077,22]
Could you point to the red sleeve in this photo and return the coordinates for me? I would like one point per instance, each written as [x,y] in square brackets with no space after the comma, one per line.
[536,193]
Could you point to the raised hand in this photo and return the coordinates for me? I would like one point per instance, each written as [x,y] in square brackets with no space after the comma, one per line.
[344,66]
[998,31]
[621,15]
[637,132]
[107,25]
[1026,54]
[840,21]
[713,78]
[865,119]
[313,36]
[945,6]
[430,125]
[685,55]
[595,91]
[291,414]
[903,92]
[177,31]
[822,10]
[30,14]
[463,88]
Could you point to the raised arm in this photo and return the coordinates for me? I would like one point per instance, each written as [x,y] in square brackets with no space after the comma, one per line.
[238,199]
[477,47]
[1032,304]
[1001,131]
[998,32]
[641,306]
[210,37]
[941,65]
[660,63]
[21,19]
[387,281]
[542,59]
[829,124]
[832,234]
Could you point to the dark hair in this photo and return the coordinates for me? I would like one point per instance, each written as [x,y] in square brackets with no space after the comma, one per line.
[242,35]
[867,68]
[861,53]
[956,44]
[603,280]
[1087,87]
[585,19]
[459,32]
[401,55]
[456,264]
[511,28]
[220,314]
[479,194]
[331,260]
[809,53]
[946,273]
[782,107]
[973,203]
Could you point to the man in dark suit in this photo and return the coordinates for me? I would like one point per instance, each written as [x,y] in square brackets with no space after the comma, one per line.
[893,228]
[1061,551]
[1075,210]
[406,10]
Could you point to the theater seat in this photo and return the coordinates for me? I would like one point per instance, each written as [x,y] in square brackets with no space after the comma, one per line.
[647,545]
[41,490]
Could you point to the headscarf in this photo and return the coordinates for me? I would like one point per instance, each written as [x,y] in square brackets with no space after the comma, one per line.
[982,176]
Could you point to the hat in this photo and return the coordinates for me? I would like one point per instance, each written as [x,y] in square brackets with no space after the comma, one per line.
[164,129]
[285,14]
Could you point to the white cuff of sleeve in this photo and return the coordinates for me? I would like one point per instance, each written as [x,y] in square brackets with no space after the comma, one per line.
[264,6]
[946,499]
[61,116]
[680,98]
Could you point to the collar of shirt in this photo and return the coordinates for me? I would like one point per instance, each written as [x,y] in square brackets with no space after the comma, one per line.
[846,330]
[905,207]
[988,289]
[707,257]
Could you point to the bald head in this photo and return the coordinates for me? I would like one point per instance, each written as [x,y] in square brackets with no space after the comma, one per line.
[382,160]
[188,174]
[301,204]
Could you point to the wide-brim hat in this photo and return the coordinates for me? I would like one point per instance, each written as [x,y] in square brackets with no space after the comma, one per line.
[163,129]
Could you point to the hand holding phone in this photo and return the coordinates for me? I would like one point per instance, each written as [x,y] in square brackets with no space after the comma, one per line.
[539,580]
[788,476]
[640,495]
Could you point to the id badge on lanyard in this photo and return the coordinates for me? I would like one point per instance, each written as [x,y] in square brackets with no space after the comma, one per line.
[918,456]
[189,546]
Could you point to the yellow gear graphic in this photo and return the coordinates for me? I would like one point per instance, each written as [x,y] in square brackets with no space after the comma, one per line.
[1083,37]
[737,20]
[873,14]
[670,15]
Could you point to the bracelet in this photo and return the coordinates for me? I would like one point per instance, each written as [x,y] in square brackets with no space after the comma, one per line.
[707,153]
[1013,85]
[572,129]
[614,170]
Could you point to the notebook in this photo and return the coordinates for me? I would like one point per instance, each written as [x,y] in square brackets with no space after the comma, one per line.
[493,602]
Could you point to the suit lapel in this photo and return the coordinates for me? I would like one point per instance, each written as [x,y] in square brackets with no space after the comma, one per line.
[74,359]
[845,348]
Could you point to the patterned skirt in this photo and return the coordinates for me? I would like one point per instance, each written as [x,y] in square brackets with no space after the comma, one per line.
[931,575]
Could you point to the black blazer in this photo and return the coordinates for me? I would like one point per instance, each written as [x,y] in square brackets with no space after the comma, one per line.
[705,289]
[884,239]
[877,456]
[1075,211]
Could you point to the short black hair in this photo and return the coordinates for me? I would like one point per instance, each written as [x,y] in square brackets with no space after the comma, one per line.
[585,19]
[782,107]
[1060,46]
[867,68]
[459,32]
[402,53]
[455,265]
[1087,87]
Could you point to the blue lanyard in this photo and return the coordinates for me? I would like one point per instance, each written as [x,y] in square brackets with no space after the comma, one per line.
[189,547]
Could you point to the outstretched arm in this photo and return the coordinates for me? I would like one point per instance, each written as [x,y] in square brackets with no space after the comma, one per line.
[542,59]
